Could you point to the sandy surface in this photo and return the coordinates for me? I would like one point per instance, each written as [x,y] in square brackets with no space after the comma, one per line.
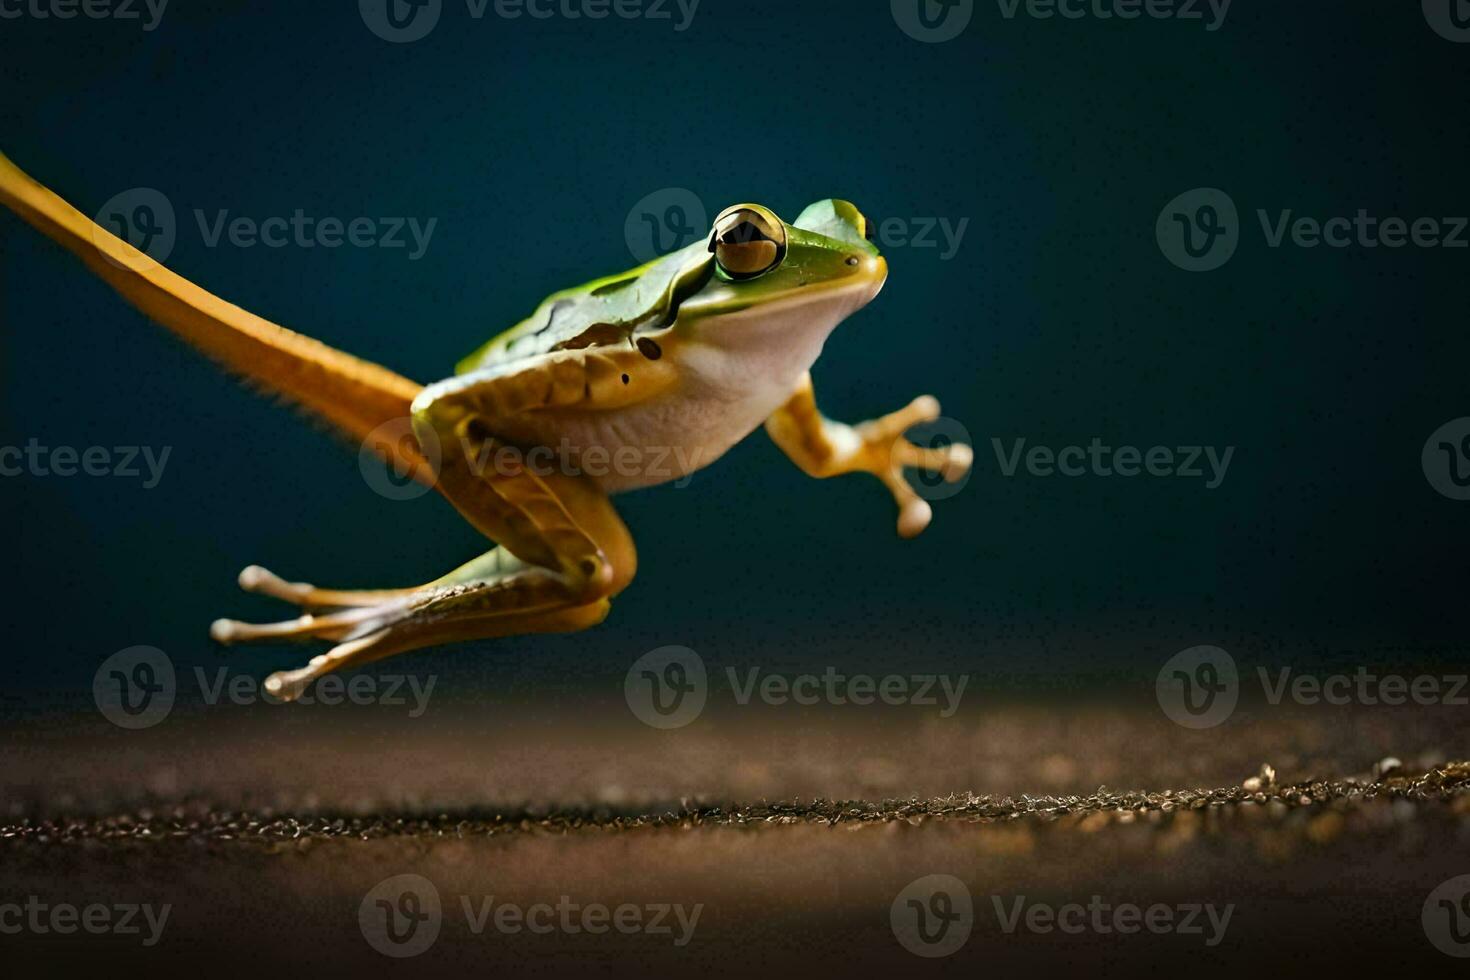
[792,833]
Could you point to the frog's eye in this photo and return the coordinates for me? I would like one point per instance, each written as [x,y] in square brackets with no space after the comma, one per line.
[747,241]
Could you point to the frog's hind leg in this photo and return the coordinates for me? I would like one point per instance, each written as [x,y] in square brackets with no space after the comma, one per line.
[494,595]
[435,624]
[563,554]
[353,612]
[497,594]
[495,563]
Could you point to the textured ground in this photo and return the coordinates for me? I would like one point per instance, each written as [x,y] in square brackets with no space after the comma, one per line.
[793,832]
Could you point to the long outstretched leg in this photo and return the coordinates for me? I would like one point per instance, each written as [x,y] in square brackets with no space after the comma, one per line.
[352,395]
[564,552]
[581,555]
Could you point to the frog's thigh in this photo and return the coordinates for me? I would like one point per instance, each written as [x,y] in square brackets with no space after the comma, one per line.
[586,556]
[559,521]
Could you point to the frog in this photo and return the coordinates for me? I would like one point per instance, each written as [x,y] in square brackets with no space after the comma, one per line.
[665,367]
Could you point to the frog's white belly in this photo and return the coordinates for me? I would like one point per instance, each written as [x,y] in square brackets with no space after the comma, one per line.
[728,386]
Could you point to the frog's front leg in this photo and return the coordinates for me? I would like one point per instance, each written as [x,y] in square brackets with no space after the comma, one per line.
[824,448]
[563,554]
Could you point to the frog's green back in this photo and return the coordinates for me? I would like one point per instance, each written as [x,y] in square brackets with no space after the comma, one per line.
[602,311]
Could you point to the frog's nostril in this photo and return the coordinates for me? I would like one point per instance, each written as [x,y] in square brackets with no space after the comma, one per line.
[852,260]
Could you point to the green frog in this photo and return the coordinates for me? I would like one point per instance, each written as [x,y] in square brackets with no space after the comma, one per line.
[624,382]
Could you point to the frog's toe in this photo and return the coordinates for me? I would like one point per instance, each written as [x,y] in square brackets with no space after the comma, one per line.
[288,685]
[913,517]
[951,462]
[961,458]
[914,512]
[262,581]
[925,408]
[336,626]
[350,614]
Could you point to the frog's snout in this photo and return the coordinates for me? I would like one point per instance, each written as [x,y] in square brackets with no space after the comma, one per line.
[871,269]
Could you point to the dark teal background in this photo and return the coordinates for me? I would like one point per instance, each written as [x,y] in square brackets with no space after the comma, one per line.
[1059,320]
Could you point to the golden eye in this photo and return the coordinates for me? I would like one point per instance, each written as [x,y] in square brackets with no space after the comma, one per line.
[747,241]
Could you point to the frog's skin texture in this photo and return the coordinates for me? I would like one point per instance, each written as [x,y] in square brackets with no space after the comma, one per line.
[663,368]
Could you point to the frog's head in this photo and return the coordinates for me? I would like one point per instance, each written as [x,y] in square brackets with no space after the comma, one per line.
[820,269]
